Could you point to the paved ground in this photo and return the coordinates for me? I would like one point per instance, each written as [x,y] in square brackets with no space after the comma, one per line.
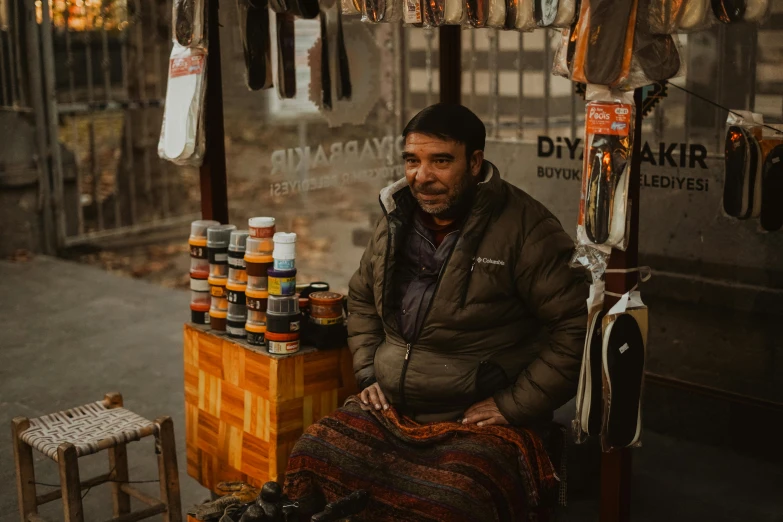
[73,332]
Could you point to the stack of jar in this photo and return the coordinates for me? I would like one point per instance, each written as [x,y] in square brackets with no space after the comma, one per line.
[258,260]
[218,237]
[199,271]
[283,319]
[237,285]
[326,313]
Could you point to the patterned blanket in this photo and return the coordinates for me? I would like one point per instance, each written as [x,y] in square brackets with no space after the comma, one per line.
[435,472]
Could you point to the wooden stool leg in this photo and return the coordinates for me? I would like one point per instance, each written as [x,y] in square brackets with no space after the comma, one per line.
[118,462]
[70,483]
[25,471]
[167,470]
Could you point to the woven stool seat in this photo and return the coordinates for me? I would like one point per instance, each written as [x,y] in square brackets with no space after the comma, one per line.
[90,428]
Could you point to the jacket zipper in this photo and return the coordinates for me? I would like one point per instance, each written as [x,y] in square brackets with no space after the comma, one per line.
[409,346]
[467,284]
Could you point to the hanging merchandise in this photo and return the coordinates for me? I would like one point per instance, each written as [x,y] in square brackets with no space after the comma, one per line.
[677,16]
[656,57]
[434,12]
[454,12]
[478,12]
[566,13]
[182,140]
[253,16]
[757,11]
[588,394]
[188,23]
[577,46]
[545,12]
[376,11]
[609,142]
[742,184]
[335,74]
[610,42]
[351,7]
[286,55]
[411,12]
[729,11]
[625,329]
[772,190]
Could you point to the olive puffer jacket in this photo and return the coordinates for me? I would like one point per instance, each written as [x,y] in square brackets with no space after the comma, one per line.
[506,295]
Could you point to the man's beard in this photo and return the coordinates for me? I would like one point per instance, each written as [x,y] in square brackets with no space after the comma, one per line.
[455,205]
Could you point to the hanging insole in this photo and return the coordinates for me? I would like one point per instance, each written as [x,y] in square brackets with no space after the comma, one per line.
[594,392]
[735,185]
[656,54]
[755,168]
[607,40]
[623,364]
[729,11]
[512,10]
[497,14]
[756,10]
[434,12]
[256,42]
[607,165]
[772,191]
[286,55]
[374,11]
[478,12]
[455,11]
[694,15]
[566,13]
[545,12]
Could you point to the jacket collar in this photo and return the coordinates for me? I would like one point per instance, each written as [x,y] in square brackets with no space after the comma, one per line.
[397,200]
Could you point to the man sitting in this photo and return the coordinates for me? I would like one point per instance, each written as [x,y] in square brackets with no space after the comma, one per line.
[467,326]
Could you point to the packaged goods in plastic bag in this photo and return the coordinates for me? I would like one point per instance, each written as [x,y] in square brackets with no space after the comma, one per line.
[678,16]
[412,12]
[729,11]
[520,15]
[560,63]
[566,13]
[388,11]
[454,12]
[609,48]
[188,23]
[603,208]
[757,11]
[742,184]
[182,132]
[589,395]
[497,14]
[478,12]
[771,219]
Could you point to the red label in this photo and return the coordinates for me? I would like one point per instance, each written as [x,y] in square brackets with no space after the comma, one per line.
[608,118]
[183,66]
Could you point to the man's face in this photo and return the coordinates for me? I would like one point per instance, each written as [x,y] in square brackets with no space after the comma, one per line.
[438,172]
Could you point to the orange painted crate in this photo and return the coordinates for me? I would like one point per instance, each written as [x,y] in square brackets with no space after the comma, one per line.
[245,408]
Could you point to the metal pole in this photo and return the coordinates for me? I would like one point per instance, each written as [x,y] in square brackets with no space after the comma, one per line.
[51,107]
[521,87]
[616,466]
[214,189]
[494,80]
[547,78]
[450,48]
[39,110]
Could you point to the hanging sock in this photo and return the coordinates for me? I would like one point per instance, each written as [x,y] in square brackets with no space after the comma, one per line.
[286,55]
[729,11]
[772,191]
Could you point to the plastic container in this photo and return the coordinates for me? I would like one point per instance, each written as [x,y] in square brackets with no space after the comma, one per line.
[282,282]
[304,303]
[256,317]
[199,262]
[237,312]
[218,237]
[283,323]
[217,289]
[258,283]
[255,334]
[320,321]
[236,256]
[282,305]
[217,320]
[198,284]
[259,247]
[282,344]
[261,226]
[326,305]
[318,286]
[235,327]
[284,252]
[236,296]
[256,299]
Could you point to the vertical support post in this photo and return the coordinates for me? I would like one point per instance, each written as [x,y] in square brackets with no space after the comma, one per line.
[450,49]
[616,466]
[214,186]
[25,470]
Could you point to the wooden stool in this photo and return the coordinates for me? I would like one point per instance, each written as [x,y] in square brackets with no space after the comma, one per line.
[104,425]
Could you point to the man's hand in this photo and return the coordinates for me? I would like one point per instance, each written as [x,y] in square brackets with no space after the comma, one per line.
[484,413]
[373,396]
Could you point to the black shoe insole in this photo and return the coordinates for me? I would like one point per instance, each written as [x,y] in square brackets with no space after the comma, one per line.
[656,54]
[573,36]
[735,189]
[609,21]
[772,191]
[184,22]
[729,11]
[545,12]
[624,370]
[286,55]
[755,165]
[596,383]
[256,40]
[478,12]
[512,6]
[607,163]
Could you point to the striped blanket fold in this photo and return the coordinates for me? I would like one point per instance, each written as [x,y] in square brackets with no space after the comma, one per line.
[435,472]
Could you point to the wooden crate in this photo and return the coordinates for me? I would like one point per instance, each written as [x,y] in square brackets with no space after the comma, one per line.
[245,408]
